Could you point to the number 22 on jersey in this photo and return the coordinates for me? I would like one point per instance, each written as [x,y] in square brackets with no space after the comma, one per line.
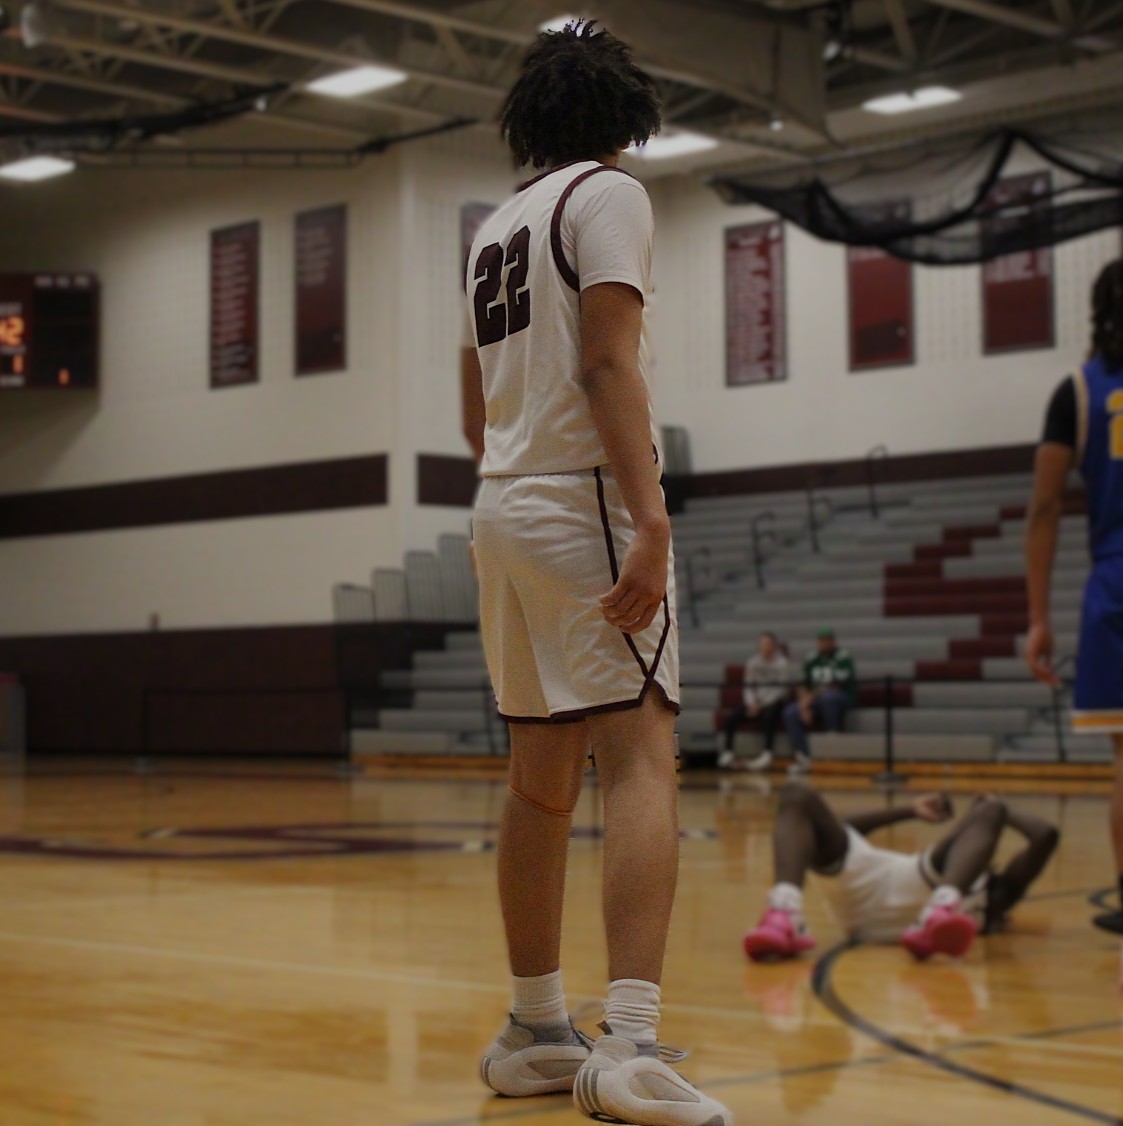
[499,317]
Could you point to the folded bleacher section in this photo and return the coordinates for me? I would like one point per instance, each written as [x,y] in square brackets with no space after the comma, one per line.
[928,596]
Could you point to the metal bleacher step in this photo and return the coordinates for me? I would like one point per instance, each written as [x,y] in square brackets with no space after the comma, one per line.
[940,721]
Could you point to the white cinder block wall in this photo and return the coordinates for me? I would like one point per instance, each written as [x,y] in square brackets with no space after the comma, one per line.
[146,234]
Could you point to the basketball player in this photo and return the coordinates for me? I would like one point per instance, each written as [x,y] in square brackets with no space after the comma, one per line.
[572,544]
[934,902]
[1084,429]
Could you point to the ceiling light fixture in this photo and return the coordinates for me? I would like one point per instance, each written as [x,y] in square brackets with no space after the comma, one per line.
[927,97]
[669,145]
[31,169]
[558,23]
[358,80]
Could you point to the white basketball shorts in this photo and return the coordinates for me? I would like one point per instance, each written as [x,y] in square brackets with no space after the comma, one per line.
[547,549]
[879,893]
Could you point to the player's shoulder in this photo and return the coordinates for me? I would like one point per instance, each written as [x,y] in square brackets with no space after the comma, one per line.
[842,655]
[608,181]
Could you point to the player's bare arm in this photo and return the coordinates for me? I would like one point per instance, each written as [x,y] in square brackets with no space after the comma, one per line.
[1051,468]
[472,401]
[934,808]
[611,323]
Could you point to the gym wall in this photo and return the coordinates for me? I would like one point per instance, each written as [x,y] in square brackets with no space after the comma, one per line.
[156,425]
[952,398]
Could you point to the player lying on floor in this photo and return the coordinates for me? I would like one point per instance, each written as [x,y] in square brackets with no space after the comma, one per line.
[934,902]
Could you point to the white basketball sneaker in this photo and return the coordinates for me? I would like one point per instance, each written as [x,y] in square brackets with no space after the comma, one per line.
[628,1082]
[523,1061]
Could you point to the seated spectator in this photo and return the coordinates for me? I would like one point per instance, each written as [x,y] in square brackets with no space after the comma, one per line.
[767,678]
[829,688]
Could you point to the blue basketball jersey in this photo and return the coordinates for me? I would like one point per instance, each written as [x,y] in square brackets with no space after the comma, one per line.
[1099,397]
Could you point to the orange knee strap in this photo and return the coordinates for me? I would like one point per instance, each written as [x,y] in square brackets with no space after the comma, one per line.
[538,805]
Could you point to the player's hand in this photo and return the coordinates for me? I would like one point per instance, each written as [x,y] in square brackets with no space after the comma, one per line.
[631,605]
[1039,654]
[933,807]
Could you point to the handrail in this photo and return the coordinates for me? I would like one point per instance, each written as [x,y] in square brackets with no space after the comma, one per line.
[813,501]
[878,453]
[759,538]
[1059,689]
[691,588]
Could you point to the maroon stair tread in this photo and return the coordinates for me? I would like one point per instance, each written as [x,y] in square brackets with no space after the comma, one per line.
[960,532]
[873,696]
[924,588]
[949,670]
[928,569]
[991,625]
[925,551]
[955,605]
[979,648]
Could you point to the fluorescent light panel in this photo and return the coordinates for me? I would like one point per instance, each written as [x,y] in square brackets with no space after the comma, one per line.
[359,80]
[669,145]
[34,168]
[558,23]
[925,98]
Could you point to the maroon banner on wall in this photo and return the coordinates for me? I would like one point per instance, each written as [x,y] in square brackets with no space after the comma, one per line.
[755,330]
[881,304]
[235,281]
[320,247]
[1018,288]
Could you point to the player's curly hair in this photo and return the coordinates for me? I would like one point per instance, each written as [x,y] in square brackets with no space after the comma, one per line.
[580,97]
[1107,315]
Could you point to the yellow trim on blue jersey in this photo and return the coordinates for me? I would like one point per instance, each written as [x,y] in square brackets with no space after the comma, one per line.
[1109,722]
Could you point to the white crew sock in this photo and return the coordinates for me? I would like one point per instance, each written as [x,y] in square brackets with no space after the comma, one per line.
[632,1009]
[943,896]
[539,1001]
[786,897]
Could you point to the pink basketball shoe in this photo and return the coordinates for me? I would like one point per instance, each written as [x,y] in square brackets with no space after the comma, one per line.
[941,930]
[779,934]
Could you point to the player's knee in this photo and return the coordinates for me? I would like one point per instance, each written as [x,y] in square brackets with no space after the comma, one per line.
[990,810]
[796,795]
[1049,839]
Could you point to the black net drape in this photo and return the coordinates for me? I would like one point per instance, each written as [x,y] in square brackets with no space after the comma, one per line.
[959,202]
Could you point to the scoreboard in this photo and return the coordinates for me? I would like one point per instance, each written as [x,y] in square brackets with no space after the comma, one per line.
[48,331]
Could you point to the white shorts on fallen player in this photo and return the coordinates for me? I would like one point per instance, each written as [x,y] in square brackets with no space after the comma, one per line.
[878,892]
[547,550]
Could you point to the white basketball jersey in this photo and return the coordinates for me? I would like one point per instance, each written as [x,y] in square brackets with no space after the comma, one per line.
[578,225]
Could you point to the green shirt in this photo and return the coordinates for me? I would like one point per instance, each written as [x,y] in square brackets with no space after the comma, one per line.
[834,669]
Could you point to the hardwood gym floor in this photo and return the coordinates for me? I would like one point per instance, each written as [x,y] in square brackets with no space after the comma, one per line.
[208,946]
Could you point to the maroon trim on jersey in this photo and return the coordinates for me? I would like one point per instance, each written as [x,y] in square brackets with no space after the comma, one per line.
[648,673]
[548,172]
[579,714]
[568,273]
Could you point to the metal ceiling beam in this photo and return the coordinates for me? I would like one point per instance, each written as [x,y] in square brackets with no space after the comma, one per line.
[434,19]
[902,32]
[1026,21]
[239,76]
[8,110]
[274,43]
[1062,9]
[92,85]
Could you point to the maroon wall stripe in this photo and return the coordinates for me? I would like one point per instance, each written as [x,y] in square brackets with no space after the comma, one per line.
[274,689]
[355,482]
[903,468]
[445,480]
